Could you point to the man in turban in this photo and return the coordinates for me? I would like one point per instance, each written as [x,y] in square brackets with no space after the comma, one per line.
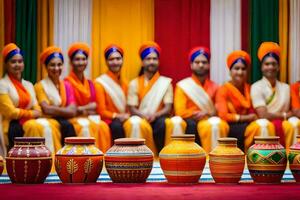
[150,99]
[271,98]
[195,101]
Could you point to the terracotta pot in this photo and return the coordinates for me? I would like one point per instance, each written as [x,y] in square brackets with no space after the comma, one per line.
[182,160]
[1,165]
[79,161]
[129,160]
[29,161]
[294,159]
[227,161]
[266,160]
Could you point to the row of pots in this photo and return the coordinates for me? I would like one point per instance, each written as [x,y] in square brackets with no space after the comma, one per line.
[130,160]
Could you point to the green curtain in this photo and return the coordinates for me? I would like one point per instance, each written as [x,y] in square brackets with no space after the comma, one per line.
[264,27]
[26,36]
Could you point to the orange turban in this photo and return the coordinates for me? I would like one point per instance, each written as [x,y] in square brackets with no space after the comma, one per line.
[149,47]
[196,51]
[238,56]
[268,49]
[10,50]
[51,52]
[112,48]
[78,47]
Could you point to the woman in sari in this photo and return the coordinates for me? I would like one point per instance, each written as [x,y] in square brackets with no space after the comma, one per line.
[19,108]
[56,97]
[87,121]
[233,100]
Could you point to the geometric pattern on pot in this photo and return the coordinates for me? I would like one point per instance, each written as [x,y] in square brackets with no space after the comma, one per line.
[267,156]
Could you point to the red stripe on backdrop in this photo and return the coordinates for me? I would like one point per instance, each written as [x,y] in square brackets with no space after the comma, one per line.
[245,24]
[179,26]
[10,21]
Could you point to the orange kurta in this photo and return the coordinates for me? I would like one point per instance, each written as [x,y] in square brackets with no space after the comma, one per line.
[84,94]
[184,106]
[230,102]
[295,95]
[106,107]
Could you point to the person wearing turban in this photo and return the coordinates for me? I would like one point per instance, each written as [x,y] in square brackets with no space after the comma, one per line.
[271,98]
[233,100]
[111,92]
[194,101]
[87,121]
[19,108]
[56,97]
[150,99]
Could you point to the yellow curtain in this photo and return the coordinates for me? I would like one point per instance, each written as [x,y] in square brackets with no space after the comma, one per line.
[283,39]
[1,33]
[126,23]
[45,31]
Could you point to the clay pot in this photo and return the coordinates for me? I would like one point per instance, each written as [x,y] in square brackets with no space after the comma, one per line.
[227,161]
[79,161]
[266,160]
[29,161]
[1,165]
[129,160]
[294,159]
[182,160]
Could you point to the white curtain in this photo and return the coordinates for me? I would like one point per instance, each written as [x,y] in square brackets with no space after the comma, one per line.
[294,57]
[225,36]
[72,23]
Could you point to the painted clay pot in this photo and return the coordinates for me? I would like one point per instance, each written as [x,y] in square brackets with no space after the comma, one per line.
[227,161]
[129,160]
[28,161]
[182,160]
[1,165]
[266,160]
[294,159]
[79,161]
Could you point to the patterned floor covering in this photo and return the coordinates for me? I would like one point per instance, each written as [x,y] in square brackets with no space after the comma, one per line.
[157,176]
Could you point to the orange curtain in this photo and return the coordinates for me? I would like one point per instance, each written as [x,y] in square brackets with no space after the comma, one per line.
[126,23]
[45,24]
[284,39]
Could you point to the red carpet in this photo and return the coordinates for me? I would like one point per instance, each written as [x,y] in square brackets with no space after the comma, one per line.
[153,191]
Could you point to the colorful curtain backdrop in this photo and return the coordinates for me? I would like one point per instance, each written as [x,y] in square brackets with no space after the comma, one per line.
[1,32]
[294,50]
[245,24]
[225,36]
[45,23]
[26,36]
[10,20]
[264,27]
[72,23]
[283,39]
[126,23]
[179,26]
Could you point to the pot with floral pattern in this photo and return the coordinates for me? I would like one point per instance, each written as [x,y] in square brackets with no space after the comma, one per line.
[79,161]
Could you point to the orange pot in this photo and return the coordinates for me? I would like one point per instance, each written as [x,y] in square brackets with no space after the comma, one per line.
[1,165]
[182,160]
[227,161]
[79,161]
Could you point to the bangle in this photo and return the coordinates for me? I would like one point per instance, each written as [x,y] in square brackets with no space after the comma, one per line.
[284,115]
[237,117]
